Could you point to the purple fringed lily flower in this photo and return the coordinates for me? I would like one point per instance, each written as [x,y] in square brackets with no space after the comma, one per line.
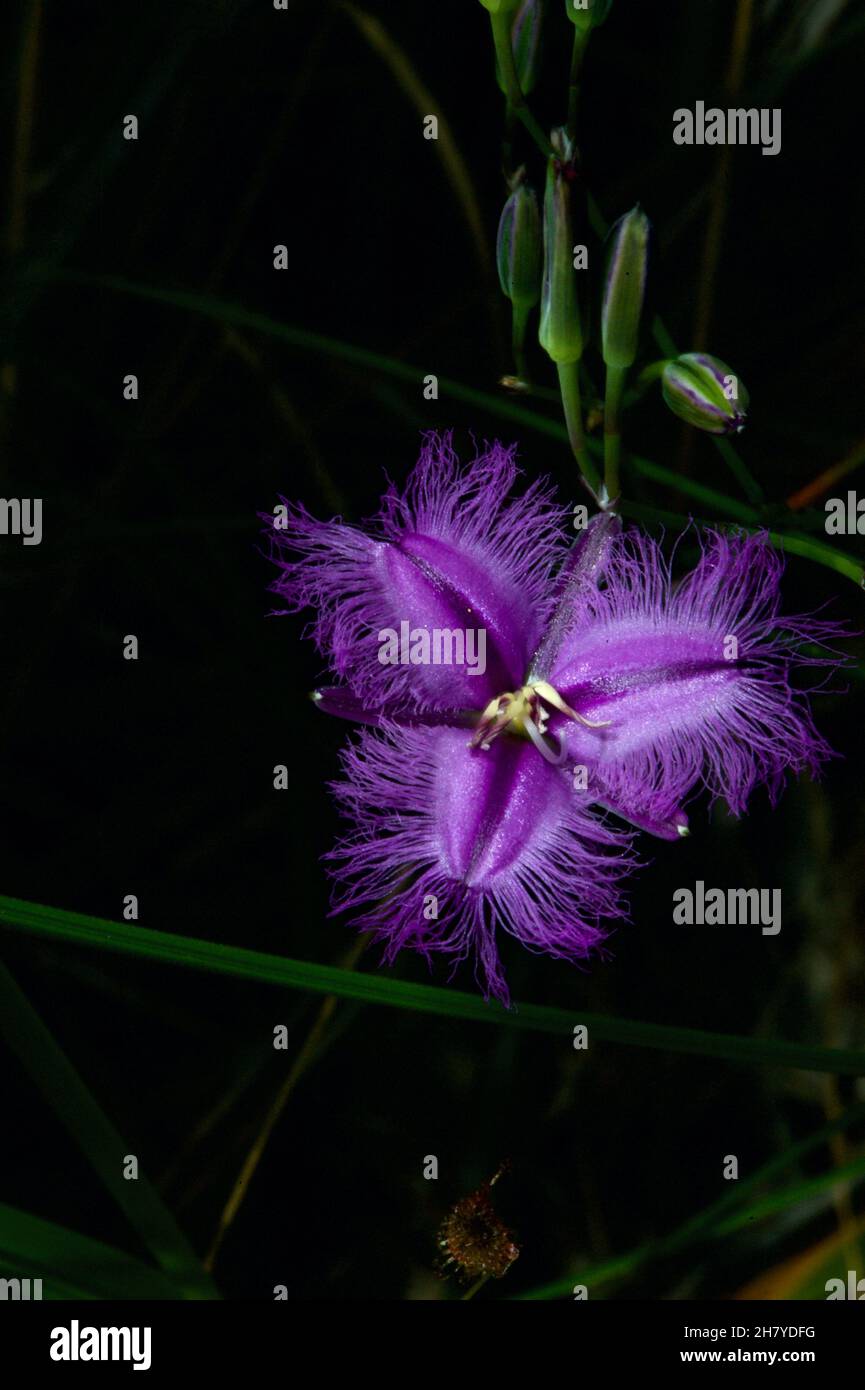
[479,796]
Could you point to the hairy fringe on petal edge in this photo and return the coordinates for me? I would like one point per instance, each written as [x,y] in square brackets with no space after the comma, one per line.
[334,568]
[767,730]
[554,900]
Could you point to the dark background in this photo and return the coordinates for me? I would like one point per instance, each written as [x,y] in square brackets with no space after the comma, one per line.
[155,777]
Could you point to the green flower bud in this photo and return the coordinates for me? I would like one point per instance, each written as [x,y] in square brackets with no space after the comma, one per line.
[704,392]
[624,288]
[526,29]
[500,6]
[586,14]
[560,333]
[519,247]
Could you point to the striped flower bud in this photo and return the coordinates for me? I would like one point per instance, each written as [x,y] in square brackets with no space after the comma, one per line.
[519,247]
[560,333]
[624,288]
[703,391]
[526,29]
[586,14]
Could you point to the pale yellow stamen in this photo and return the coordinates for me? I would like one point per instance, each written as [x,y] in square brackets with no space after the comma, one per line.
[521,712]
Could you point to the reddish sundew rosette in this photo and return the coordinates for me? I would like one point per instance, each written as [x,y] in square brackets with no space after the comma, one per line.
[473,1240]
[461,786]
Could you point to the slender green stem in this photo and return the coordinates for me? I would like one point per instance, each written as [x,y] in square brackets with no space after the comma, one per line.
[650,374]
[612,431]
[501,24]
[577,55]
[520,320]
[662,337]
[569,385]
[737,467]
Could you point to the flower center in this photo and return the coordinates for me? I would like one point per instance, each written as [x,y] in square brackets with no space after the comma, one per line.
[526,712]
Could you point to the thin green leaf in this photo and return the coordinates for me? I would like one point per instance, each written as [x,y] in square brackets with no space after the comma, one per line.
[713,1221]
[747,482]
[821,553]
[71,1101]
[149,944]
[737,511]
[851,1173]
[31,1248]
[382,42]
[221,311]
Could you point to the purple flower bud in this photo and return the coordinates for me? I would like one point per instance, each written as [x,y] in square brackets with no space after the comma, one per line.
[703,391]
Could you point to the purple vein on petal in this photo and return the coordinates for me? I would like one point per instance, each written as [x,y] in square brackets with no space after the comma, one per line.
[454,549]
[650,658]
[498,840]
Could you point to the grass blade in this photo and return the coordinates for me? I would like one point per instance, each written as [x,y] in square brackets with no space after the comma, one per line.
[236,961]
[71,1265]
[222,311]
[71,1101]
[714,1220]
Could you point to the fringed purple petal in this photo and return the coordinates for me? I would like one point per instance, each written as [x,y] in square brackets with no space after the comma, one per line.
[685,707]
[658,815]
[452,552]
[451,845]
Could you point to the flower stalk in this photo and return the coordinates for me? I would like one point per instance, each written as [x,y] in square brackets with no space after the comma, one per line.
[615,386]
[560,331]
[578,52]
[569,386]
